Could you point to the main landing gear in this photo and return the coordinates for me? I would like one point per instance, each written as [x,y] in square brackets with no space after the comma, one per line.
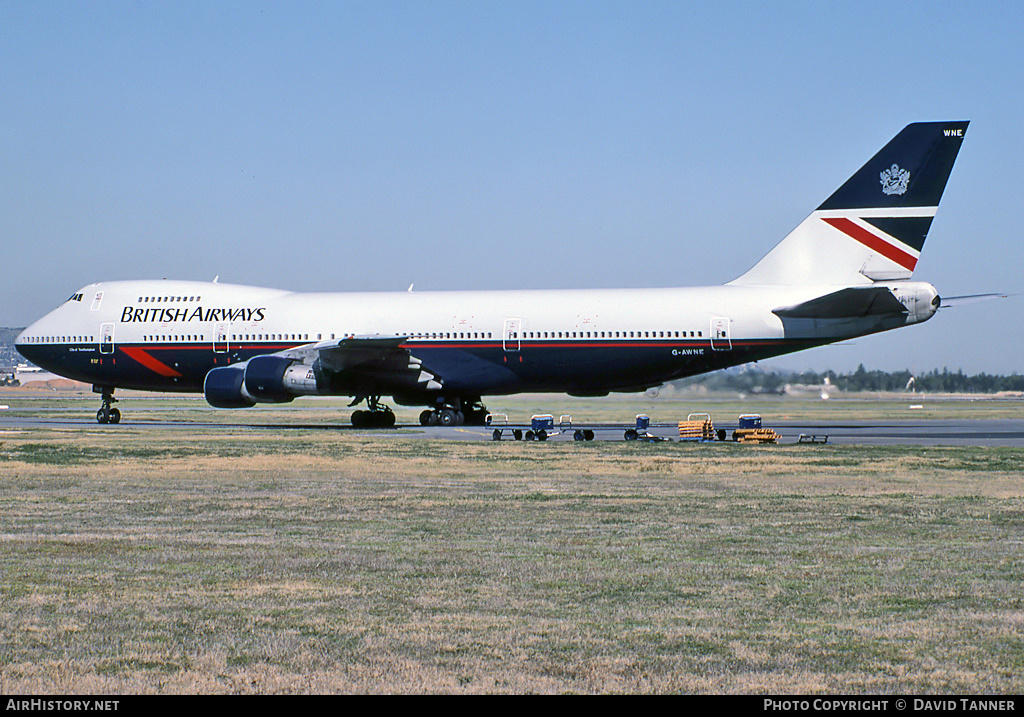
[379,415]
[457,414]
[107,414]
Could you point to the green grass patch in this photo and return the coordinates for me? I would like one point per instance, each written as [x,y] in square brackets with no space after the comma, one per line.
[304,560]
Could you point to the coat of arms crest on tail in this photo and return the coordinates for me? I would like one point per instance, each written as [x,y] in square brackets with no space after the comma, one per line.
[895,180]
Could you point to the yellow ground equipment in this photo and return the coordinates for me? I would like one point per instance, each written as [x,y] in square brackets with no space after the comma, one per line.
[697,427]
[750,431]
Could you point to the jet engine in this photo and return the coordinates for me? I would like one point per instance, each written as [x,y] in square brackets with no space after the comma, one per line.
[263,379]
[225,388]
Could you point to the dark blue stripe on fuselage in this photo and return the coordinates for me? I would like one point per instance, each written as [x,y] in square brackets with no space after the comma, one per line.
[476,368]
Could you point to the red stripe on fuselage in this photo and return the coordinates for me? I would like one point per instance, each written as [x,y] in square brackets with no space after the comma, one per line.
[871,241]
[149,362]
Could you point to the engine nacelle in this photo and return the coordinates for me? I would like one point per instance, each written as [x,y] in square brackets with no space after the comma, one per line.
[224,387]
[263,379]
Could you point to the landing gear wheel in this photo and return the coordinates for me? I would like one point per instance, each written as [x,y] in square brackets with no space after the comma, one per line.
[380,418]
[458,411]
[107,414]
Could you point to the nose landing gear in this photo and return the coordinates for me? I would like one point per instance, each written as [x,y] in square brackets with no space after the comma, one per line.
[107,414]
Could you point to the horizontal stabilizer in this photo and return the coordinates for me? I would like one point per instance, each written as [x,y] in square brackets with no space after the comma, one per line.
[951,301]
[844,304]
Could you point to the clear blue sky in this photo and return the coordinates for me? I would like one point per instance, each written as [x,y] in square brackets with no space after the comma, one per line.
[370,145]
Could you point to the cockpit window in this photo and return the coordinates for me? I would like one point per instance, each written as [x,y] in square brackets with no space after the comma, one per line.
[75,297]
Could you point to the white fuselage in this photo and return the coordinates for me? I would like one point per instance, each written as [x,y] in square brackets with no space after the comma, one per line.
[168,334]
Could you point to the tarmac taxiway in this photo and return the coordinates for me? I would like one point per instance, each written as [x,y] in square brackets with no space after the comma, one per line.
[994,432]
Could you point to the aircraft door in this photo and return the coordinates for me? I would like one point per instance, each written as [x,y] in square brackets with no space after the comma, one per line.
[511,335]
[720,339]
[220,338]
[106,338]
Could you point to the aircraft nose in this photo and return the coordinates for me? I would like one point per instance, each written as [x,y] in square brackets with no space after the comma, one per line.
[23,337]
[32,343]
[23,344]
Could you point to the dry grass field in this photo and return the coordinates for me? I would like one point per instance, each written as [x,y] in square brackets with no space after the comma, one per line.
[253,560]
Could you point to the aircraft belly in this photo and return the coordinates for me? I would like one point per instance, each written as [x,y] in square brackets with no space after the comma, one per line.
[473,370]
[568,368]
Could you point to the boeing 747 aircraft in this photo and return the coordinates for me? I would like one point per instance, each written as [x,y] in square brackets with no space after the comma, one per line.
[844,272]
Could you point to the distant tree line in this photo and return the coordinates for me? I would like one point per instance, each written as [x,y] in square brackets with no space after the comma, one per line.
[934,381]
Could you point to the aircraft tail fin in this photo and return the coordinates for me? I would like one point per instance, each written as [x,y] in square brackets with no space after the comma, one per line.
[874,226]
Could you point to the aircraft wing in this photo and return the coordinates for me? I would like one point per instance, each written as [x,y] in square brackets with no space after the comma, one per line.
[379,358]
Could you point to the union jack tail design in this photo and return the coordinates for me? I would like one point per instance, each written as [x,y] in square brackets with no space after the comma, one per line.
[874,226]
